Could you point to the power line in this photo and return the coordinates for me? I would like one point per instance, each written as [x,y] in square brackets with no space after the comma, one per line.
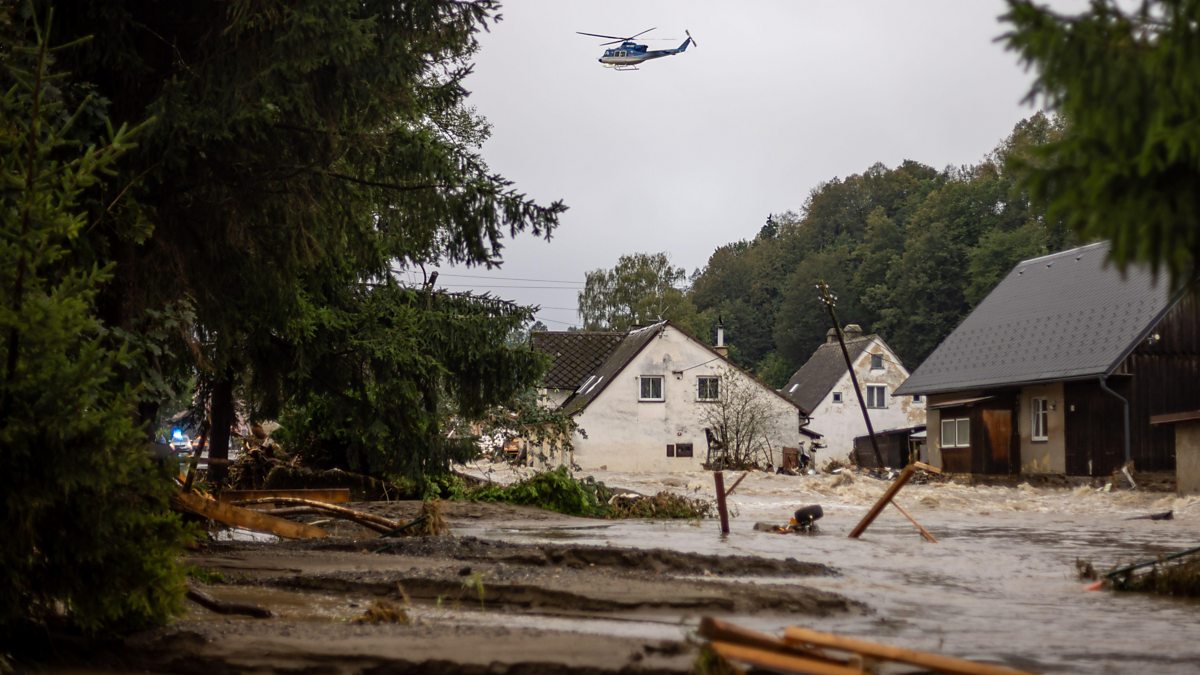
[545,288]
[484,276]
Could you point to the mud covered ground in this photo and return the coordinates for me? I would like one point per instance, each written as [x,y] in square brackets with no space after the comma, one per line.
[473,605]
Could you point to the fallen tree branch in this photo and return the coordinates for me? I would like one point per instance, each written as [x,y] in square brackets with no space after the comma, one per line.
[377,523]
[221,607]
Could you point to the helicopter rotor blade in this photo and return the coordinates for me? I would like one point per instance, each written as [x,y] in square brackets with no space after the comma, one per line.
[614,37]
[689,34]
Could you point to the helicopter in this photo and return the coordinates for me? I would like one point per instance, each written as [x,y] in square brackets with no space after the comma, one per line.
[629,54]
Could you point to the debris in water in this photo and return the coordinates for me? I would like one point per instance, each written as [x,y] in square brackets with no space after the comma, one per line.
[808,651]
[384,611]
[1165,515]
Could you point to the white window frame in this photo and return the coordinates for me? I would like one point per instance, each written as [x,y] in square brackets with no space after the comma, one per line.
[643,380]
[877,396]
[701,390]
[959,424]
[837,397]
[877,358]
[1039,419]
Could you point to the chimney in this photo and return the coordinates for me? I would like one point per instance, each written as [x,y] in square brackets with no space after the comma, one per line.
[720,347]
[853,331]
[831,336]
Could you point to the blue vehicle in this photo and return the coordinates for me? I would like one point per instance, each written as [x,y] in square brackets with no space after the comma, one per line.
[629,54]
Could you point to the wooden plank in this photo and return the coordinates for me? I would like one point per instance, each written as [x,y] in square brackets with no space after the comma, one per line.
[327,495]
[924,532]
[879,505]
[716,629]
[937,662]
[236,516]
[788,663]
[1170,418]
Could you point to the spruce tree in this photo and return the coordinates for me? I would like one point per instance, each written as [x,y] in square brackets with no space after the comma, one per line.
[88,538]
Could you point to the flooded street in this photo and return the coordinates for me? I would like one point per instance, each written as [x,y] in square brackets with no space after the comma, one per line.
[1000,585]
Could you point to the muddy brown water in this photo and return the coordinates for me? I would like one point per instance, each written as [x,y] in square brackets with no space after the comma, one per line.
[1000,585]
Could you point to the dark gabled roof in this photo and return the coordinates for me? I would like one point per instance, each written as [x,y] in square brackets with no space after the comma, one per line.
[809,385]
[1065,316]
[575,354]
[599,378]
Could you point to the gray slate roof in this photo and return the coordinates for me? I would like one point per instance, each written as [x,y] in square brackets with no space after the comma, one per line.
[630,346]
[1058,317]
[575,354]
[822,371]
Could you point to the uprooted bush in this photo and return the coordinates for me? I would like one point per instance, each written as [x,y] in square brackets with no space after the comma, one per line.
[557,490]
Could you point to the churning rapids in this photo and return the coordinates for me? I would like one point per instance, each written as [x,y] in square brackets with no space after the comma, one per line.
[1000,584]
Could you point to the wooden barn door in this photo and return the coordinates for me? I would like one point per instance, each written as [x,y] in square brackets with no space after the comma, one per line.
[997,438]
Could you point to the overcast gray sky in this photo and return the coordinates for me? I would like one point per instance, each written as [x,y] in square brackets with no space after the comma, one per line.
[695,151]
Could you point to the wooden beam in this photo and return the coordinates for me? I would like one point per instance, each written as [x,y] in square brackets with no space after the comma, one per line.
[924,532]
[878,507]
[736,483]
[716,629]
[778,661]
[378,523]
[936,662]
[236,516]
[327,495]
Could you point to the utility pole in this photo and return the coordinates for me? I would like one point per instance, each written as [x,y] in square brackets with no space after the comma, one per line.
[829,300]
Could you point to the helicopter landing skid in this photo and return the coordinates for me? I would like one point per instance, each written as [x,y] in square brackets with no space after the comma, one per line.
[623,68]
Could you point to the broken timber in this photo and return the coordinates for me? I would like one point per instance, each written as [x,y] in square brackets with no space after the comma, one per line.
[326,495]
[369,520]
[719,481]
[236,516]
[807,651]
[936,662]
[887,497]
[221,607]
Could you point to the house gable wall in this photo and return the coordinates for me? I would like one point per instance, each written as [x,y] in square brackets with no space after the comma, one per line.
[625,434]
[841,422]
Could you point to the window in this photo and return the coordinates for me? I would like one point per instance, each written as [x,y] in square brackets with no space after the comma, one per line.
[683,449]
[916,398]
[708,388]
[651,388]
[670,449]
[876,362]
[837,397]
[876,396]
[1038,428]
[956,433]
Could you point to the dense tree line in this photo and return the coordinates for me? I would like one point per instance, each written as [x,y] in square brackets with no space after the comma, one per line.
[908,251]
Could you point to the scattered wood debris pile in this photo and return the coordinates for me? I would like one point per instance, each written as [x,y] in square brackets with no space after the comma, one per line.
[1176,574]
[802,650]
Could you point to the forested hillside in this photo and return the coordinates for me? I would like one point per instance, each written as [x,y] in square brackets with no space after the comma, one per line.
[908,251]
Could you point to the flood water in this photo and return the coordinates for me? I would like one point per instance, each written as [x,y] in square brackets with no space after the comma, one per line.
[1000,585]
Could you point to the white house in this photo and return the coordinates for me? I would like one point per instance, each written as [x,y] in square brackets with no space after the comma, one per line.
[823,390]
[644,400]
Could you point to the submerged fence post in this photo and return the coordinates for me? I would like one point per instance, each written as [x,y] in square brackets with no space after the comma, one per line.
[719,479]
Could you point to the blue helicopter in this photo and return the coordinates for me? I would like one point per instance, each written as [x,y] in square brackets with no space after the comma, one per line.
[630,54]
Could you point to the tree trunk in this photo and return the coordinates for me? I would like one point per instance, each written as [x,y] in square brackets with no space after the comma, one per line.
[222,422]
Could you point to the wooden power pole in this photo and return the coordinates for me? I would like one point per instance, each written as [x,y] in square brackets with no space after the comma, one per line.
[829,300]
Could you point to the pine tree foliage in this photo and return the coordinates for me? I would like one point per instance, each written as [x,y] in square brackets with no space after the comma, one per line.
[88,537]
[1126,79]
[302,151]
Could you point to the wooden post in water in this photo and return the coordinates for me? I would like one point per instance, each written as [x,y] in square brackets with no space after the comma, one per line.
[719,479]
[887,498]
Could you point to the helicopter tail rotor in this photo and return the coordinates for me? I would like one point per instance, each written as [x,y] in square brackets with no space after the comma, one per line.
[689,34]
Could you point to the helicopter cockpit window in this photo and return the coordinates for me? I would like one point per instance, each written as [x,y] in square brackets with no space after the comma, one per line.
[621,53]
